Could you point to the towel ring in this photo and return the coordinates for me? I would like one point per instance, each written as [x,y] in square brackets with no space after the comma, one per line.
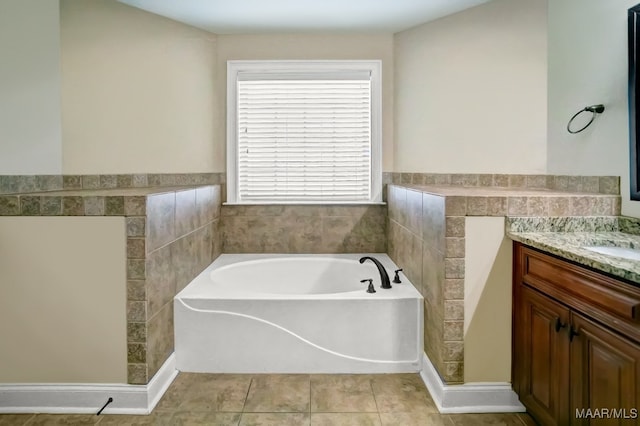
[593,109]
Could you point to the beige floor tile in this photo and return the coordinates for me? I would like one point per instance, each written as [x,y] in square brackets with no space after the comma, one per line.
[414,419]
[341,394]
[486,419]
[64,419]
[345,419]
[401,393]
[206,393]
[277,393]
[274,419]
[14,419]
[184,418]
[153,419]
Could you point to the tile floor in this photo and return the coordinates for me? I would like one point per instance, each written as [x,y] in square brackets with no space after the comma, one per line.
[283,400]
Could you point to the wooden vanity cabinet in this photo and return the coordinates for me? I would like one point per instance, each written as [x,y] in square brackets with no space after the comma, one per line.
[541,357]
[576,340]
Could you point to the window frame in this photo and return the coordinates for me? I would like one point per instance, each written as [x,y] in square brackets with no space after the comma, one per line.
[374,67]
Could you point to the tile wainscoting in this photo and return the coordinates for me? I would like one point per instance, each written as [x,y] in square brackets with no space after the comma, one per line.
[426,236]
[174,233]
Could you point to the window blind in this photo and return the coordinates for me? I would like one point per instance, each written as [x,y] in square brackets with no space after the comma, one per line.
[304,139]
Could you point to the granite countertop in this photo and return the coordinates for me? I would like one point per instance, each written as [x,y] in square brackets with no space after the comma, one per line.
[568,237]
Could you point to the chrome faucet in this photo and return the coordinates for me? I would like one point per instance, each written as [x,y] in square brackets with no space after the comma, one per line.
[384,277]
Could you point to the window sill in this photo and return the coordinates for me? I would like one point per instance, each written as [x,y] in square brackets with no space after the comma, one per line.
[302,203]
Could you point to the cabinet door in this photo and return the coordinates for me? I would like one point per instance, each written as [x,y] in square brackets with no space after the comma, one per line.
[605,374]
[542,354]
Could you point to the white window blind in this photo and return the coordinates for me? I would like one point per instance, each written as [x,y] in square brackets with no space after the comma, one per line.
[304,132]
[304,139]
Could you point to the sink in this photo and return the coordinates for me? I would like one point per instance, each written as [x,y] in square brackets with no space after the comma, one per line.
[624,252]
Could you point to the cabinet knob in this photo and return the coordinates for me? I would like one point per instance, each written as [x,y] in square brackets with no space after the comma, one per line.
[572,333]
[559,325]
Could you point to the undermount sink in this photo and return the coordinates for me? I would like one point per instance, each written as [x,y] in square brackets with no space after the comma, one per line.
[624,252]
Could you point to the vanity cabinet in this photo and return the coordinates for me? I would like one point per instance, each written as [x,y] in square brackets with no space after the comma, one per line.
[576,341]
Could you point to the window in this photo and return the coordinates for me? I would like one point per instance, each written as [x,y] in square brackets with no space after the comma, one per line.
[303,132]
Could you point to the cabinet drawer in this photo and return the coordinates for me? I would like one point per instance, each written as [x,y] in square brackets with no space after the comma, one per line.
[595,294]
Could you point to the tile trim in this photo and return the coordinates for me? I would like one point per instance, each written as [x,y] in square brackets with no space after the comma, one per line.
[583,184]
[25,184]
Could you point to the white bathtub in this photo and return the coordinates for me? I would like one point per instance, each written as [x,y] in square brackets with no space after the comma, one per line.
[297,314]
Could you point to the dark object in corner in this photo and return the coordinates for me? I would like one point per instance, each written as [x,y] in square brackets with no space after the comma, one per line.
[634,97]
[109,401]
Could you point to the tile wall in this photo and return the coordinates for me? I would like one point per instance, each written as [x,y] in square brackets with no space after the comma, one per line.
[304,229]
[426,237]
[420,238]
[166,249]
[173,236]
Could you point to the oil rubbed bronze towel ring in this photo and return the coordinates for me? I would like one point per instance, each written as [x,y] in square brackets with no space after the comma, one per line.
[593,109]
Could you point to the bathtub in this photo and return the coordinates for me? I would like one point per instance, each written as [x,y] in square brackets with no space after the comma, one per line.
[253,313]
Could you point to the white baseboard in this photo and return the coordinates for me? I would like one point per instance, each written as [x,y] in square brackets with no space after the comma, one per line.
[141,399]
[87,398]
[469,398]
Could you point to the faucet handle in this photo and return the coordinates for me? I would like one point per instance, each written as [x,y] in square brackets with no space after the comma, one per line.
[370,288]
[396,279]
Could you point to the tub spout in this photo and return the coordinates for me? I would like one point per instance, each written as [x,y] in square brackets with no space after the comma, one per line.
[384,277]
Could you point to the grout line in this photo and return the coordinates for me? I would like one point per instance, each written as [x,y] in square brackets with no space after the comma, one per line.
[309,398]
[29,420]
[246,397]
[373,393]
[448,417]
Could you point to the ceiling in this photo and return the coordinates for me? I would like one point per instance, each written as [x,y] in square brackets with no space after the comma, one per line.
[286,16]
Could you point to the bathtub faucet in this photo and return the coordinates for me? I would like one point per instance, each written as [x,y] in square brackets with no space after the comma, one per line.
[384,277]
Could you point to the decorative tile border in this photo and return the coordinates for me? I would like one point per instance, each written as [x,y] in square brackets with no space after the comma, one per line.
[584,184]
[24,184]
[29,183]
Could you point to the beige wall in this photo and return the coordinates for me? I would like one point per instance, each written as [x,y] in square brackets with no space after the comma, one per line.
[63,299]
[470,91]
[138,91]
[487,301]
[588,65]
[30,136]
[305,46]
